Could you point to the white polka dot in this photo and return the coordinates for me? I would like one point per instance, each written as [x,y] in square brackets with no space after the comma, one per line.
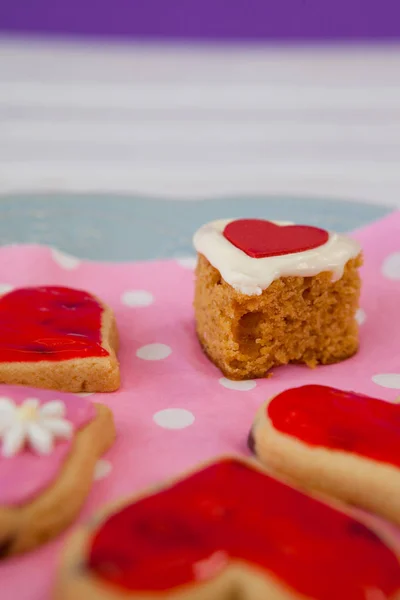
[360,316]
[391,266]
[102,469]
[174,418]
[137,298]
[153,352]
[5,288]
[188,262]
[66,261]
[84,394]
[388,380]
[240,386]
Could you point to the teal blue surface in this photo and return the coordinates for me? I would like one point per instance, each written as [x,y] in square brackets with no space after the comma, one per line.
[119,228]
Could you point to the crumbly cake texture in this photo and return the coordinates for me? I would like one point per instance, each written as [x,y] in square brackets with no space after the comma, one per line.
[220,581]
[24,527]
[88,374]
[296,319]
[344,476]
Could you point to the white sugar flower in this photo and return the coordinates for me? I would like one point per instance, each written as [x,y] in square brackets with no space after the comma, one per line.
[33,425]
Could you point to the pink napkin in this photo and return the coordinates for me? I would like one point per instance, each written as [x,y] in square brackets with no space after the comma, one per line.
[174,407]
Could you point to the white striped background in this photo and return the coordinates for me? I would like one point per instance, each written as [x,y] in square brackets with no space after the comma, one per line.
[198,121]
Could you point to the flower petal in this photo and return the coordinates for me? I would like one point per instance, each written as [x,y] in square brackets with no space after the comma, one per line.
[7,418]
[14,439]
[55,408]
[39,438]
[5,424]
[60,428]
[7,406]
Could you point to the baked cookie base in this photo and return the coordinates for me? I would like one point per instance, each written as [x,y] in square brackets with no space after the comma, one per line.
[27,526]
[308,320]
[92,374]
[342,476]
[237,580]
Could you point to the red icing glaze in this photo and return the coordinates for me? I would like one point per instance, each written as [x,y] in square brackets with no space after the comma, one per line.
[259,238]
[229,511]
[324,416]
[49,323]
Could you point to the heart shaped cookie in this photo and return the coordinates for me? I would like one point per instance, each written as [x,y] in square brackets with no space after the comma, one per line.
[224,531]
[42,326]
[337,442]
[49,446]
[260,239]
[331,418]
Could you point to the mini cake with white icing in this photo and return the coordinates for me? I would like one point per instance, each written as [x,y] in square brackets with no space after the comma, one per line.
[270,293]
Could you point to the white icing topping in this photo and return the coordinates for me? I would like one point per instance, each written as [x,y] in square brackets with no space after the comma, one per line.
[33,425]
[251,276]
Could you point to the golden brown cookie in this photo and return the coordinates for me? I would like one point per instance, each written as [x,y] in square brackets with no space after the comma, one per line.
[49,445]
[339,443]
[58,338]
[226,531]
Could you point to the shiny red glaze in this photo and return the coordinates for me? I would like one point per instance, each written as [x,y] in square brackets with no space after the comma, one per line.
[49,323]
[230,511]
[325,416]
[259,238]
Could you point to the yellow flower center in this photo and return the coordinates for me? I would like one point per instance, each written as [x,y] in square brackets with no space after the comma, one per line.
[27,412]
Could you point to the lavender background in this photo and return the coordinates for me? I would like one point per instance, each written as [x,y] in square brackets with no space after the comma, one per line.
[206,19]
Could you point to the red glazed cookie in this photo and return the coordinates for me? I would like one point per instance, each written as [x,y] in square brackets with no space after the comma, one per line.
[224,531]
[340,443]
[58,338]
[49,445]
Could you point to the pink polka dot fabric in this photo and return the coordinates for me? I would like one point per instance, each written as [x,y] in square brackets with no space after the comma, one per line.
[174,408]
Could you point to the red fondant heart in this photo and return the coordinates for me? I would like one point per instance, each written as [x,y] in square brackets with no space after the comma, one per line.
[324,416]
[259,238]
[230,512]
[49,323]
